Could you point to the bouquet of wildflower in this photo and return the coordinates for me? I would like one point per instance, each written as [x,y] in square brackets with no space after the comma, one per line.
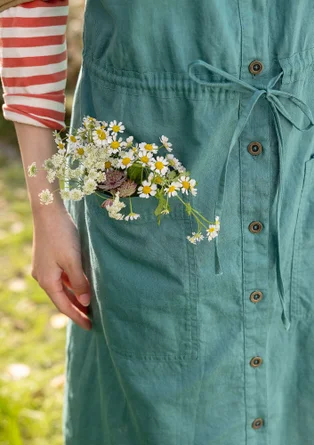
[98,159]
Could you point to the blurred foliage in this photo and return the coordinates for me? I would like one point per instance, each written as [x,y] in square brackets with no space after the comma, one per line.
[32,335]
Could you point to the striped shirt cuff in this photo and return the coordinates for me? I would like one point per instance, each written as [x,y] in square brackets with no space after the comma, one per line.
[33,62]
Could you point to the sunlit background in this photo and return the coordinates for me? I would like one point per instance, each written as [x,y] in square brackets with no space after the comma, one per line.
[32,332]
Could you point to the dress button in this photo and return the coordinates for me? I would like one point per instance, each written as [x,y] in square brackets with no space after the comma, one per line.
[256,361]
[256,296]
[255,148]
[257,423]
[255,67]
[255,226]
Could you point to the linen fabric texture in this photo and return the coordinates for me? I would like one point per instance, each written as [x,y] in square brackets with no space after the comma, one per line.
[176,326]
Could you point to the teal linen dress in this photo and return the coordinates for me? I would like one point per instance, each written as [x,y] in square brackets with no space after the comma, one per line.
[208,344]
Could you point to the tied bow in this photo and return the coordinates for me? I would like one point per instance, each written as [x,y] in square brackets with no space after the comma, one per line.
[273,97]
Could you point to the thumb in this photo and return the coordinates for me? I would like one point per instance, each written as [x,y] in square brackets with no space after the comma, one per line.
[79,282]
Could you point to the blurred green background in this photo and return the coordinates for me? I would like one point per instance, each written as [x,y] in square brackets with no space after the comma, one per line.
[32,331]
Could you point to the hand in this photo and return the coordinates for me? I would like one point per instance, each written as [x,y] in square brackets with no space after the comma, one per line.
[56,263]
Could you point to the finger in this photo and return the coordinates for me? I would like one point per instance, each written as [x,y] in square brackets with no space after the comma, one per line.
[65,279]
[71,296]
[64,305]
[78,281]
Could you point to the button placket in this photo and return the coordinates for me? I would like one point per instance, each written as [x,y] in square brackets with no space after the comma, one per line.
[254,251]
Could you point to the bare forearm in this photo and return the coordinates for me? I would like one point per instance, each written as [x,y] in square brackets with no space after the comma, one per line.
[37,144]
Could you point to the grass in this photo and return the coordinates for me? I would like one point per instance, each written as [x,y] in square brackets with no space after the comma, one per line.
[32,335]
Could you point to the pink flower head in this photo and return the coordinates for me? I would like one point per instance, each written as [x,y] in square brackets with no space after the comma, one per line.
[114,178]
[107,203]
[127,188]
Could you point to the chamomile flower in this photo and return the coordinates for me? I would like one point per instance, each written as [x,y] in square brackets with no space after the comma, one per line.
[173,161]
[173,188]
[159,165]
[129,141]
[116,145]
[148,147]
[187,185]
[132,215]
[73,140]
[116,127]
[32,169]
[101,137]
[165,142]
[147,189]
[145,157]
[76,194]
[196,237]
[46,197]
[88,121]
[211,232]
[126,159]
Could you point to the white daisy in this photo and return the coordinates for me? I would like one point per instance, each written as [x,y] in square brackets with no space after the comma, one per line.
[145,157]
[116,127]
[148,147]
[197,237]
[212,232]
[147,189]
[173,161]
[132,215]
[126,159]
[173,188]
[165,142]
[159,165]
[187,185]
[129,141]
[46,197]
[101,137]
[116,145]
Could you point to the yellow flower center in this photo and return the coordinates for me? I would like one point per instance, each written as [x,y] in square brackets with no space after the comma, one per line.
[211,229]
[145,159]
[101,134]
[148,147]
[115,144]
[60,145]
[116,128]
[159,165]
[107,164]
[186,184]
[146,189]
[172,188]
[158,180]
[73,138]
[80,151]
[126,161]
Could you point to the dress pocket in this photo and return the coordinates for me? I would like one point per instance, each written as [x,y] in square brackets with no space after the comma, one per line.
[302,277]
[144,280]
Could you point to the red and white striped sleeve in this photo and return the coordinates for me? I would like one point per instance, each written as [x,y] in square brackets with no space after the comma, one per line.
[33,62]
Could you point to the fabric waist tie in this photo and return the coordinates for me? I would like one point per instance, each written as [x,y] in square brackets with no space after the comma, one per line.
[272,96]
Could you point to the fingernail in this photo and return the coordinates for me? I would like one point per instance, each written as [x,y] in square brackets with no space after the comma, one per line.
[84,299]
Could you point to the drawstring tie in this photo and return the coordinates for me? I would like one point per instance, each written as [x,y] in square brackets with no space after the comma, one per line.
[277,108]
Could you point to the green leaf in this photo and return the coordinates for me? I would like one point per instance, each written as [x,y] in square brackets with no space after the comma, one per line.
[134,172]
